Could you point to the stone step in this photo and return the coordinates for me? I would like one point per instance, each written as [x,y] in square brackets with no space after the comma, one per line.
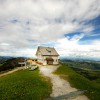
[66,96]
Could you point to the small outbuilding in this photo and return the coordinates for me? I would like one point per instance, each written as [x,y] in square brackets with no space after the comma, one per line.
[47,55]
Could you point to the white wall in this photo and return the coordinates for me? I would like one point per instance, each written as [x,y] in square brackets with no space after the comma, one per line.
[42,59]
[55,60]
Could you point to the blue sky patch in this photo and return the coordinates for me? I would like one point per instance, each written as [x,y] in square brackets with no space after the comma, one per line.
[95,22]
[96,31]
[90,38]
[70,35]
[87,38]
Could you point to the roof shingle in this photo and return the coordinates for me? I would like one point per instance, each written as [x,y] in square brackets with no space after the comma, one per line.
[48,51]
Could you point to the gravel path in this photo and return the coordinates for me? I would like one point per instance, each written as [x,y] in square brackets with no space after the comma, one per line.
[12,71]
[60,86]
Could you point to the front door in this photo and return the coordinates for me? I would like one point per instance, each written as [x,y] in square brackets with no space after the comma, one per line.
[49,62]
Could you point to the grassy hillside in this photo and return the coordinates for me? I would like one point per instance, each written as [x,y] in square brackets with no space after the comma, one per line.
[87,65]
[91,75]
[0,64]
[80,82]
[24,85]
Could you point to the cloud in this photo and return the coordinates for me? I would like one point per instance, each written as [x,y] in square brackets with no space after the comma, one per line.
[69,48]
[25,24]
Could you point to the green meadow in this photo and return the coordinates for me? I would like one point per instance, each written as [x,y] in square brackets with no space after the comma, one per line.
[80,82]
[24,85]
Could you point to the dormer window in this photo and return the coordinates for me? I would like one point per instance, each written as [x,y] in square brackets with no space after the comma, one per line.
[48,50]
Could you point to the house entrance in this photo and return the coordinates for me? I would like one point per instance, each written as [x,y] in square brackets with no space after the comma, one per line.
[49,61]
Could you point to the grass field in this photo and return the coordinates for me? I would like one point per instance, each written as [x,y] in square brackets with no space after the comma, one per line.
[80,82]
[0,64]
[24,85]
[91,75]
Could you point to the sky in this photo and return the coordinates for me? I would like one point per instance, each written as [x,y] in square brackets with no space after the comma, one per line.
[70,26]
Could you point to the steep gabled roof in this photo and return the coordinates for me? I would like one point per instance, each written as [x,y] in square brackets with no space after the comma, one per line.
[47,51]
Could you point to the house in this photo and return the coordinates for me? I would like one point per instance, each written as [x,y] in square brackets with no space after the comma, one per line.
[47,55]
[31,62]
[27,62]
[22,62]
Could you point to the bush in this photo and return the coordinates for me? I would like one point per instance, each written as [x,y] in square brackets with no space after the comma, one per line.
[10,64]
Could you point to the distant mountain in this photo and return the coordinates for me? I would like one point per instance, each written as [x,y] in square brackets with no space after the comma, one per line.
[10,63]
[82,64]
[80,58]
[4,58]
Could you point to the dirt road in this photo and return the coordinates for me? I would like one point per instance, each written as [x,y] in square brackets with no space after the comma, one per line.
[60,86]
[9,72]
